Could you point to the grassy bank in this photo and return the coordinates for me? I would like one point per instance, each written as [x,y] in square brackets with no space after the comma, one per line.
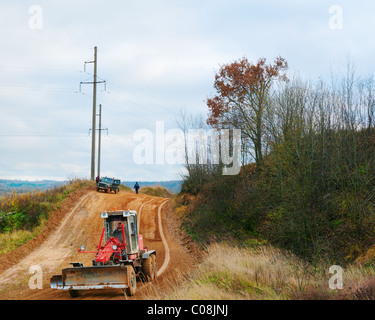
[125,188]
[157,191]
[22,216]
[264,273]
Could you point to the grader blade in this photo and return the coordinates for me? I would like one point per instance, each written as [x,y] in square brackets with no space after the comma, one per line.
[98,277]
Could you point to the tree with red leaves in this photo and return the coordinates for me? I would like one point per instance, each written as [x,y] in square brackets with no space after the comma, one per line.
[242,95]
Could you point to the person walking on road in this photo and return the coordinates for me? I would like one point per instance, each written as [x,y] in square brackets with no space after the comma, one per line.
[136,187]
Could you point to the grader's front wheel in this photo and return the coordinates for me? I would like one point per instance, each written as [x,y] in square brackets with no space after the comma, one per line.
[132,281]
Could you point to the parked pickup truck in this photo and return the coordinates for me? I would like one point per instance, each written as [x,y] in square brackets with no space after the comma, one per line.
[108,185]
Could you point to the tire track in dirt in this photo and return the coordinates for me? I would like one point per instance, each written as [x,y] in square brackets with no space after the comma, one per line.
[140,212]
[165,243]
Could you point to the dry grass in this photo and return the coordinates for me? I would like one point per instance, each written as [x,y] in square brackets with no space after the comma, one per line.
[11,241]
[359,283]
[156,191]
[230,272]
[266,273]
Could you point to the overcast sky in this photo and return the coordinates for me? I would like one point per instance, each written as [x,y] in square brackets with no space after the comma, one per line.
[156,57]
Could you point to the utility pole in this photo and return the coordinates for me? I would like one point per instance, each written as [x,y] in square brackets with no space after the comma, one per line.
[93,130]
[93,119]
[100,137]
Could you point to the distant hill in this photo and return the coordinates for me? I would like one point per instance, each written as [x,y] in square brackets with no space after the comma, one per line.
[173,186]
[7,186]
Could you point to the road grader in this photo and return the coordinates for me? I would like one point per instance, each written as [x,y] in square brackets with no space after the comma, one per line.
[117,263]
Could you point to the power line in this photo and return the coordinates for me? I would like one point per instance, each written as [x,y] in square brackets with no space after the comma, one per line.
[18,87]
[7,66]
[41,136]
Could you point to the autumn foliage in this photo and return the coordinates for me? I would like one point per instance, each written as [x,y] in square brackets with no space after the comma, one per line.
[242,95]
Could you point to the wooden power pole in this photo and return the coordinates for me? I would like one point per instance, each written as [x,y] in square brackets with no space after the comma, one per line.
[100,137]
[93,130]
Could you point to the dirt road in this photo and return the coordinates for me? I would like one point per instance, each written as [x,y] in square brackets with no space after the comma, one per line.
[80,225]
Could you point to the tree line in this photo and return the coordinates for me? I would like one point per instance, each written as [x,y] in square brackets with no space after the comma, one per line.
[307,178]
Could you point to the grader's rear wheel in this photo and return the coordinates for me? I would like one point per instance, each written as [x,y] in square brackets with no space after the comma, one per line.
[149,268]
[155,265]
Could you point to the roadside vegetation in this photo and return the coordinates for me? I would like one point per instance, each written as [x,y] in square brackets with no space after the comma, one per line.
[125,188]
[306,184]
[156,191]
[22,216]
[262,272]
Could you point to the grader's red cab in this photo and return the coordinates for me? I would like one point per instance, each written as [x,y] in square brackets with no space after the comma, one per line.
[117,263]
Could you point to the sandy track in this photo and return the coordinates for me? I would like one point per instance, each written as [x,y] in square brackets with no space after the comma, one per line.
[82,225]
